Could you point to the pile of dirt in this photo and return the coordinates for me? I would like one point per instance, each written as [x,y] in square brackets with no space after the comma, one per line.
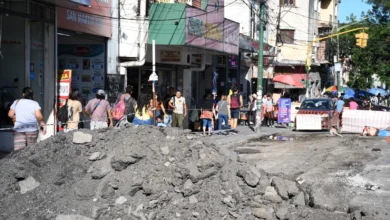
[144,173]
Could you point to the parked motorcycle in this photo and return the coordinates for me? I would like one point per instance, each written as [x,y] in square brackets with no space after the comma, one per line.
[6,100]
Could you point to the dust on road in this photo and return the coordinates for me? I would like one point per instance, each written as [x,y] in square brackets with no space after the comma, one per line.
[343,174]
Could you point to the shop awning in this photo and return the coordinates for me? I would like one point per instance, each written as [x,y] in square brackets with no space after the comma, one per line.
[298,77]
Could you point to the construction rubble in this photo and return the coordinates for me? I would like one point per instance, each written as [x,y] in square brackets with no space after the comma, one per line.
[147,173]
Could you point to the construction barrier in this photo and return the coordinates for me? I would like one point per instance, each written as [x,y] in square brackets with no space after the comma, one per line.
[308,122]
[353,121]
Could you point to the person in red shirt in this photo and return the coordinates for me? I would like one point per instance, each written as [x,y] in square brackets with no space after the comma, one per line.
[352,104]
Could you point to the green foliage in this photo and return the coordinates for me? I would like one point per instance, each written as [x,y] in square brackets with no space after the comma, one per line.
[375,58]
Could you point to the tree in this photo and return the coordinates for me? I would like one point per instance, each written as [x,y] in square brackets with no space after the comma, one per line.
[375,58]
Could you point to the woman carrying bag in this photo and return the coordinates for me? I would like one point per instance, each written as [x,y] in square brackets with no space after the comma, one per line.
[26,113]
[208,111]
[223,109]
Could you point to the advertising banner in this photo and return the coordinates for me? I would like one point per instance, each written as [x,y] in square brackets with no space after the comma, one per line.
[284,110]
[64,88]
[210,29]
[87,65]
[95,19]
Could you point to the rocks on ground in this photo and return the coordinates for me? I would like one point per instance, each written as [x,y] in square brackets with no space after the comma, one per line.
[146,173]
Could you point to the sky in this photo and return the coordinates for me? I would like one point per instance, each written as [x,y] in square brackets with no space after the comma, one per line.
[356,7]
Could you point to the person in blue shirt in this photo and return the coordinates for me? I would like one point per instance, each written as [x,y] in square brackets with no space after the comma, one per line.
[339,105]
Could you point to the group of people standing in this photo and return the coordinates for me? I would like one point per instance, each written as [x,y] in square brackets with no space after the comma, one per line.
[226,111]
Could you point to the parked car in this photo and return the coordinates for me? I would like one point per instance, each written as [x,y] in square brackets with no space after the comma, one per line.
[319,106]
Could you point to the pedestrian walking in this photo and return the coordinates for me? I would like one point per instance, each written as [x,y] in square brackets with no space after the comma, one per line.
[208,111]
[235,102]
[269,111]
[168,108]
[224,115]
[340,105]
[252,108]
[26,112]
[352,104]
[130,104]
[178,104]
[98,109]
[75,110]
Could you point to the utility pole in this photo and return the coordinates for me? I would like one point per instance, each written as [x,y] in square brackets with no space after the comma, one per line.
[260,67]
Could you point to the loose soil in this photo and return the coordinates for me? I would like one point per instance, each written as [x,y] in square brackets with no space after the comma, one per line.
[152,173]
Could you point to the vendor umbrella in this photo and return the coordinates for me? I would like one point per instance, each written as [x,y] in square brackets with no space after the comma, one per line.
[288,80]
[363,93]
[332,89]
[349,92]
[376,91]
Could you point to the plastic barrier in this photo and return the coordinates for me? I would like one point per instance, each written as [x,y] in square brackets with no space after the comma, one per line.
[308,122]
[353,121]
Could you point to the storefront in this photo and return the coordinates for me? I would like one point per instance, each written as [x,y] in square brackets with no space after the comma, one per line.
[82,45]
[26,60]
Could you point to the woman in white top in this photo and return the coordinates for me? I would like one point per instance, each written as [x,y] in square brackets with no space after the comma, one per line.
[26,113]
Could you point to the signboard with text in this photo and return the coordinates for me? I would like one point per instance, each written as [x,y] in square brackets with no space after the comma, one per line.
[64,88]
[284,110]
[95,20]
[211,30]
[83,2]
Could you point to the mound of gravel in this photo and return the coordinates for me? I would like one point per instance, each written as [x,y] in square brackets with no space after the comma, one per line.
[143,173]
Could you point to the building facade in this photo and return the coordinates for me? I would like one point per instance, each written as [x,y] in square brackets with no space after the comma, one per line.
[293,25]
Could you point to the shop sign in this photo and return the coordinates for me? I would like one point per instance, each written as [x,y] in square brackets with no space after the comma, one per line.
[64,87]
[232,61]
[169,56]
[94,20]
[196,59]
[210,29]
[83,2]
[11,42]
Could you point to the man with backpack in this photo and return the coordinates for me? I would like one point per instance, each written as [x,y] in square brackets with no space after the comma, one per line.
[235,101]
[125,106]
[178,104]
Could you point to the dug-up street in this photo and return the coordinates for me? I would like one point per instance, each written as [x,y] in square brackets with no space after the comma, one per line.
[147,173]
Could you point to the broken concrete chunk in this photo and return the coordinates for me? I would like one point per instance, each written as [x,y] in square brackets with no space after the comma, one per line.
[280,187]
[190,137]
[72,217]
[100,172]
[120,200]
[251,179]
[271,195]
[282,213]
[262,213]
[164,150]
[292,188]
[193,199]
[299,200]
[94,156]
[28,184]
[119,163]
[81,138]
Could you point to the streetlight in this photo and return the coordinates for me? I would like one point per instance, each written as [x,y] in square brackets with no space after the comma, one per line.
[154,78]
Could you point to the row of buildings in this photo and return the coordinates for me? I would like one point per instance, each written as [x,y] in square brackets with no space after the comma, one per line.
[202,46]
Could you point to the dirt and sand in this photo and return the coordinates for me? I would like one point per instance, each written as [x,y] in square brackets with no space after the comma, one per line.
[153,173]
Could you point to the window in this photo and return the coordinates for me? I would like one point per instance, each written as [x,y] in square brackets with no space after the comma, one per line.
[287,2]
[287,36]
